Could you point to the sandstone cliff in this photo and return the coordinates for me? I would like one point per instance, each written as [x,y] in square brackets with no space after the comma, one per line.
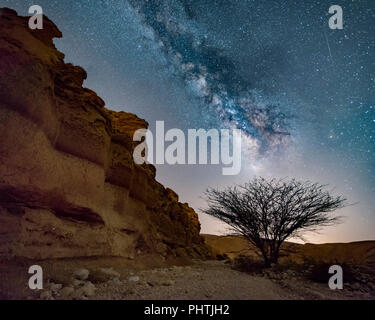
[68,183]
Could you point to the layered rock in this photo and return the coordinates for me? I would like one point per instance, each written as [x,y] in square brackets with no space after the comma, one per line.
[68,184]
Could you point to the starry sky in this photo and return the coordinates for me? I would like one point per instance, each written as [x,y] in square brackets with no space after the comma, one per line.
[303,95]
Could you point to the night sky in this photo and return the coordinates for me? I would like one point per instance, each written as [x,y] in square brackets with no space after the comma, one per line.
[302,94]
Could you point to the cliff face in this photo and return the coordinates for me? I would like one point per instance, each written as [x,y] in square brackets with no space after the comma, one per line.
[68,183]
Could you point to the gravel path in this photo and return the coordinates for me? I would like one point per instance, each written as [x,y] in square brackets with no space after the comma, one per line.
[113,279]
[203,280]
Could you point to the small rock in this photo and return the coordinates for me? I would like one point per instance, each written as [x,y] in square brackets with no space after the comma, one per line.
[46,295]
[134,279]
[115,281]
[78,283]
[88,290]
[110,272]
[67,292]
[168,283]
[81,274]
[55,287]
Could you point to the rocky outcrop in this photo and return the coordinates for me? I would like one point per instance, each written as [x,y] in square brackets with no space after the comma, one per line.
[68,183]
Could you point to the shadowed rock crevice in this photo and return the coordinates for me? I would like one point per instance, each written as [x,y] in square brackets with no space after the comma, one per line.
[79,215]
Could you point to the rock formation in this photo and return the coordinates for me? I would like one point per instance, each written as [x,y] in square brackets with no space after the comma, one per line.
[68,183]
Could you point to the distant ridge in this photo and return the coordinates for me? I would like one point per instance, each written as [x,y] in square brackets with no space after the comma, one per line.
[362,252]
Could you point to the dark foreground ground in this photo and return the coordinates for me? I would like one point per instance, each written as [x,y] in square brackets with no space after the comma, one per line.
[118,279]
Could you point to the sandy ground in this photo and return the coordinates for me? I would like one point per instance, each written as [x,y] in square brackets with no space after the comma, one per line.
[201,280]
[216,280]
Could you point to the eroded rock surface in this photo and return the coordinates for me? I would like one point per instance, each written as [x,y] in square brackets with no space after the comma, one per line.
[68,183]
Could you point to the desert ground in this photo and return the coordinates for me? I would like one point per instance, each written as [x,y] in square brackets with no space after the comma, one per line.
[223,278]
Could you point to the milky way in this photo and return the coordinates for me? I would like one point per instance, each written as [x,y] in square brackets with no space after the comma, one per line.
[211,75]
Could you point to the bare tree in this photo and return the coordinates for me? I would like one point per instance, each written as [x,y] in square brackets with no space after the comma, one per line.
[267,212]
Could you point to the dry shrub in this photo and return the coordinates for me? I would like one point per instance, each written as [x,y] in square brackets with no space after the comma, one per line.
[248,264]
[318,272]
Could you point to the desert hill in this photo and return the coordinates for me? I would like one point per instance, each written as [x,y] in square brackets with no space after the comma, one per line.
[361,252]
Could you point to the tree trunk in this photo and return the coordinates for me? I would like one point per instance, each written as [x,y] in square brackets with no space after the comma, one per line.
[275,256]
[267,261]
